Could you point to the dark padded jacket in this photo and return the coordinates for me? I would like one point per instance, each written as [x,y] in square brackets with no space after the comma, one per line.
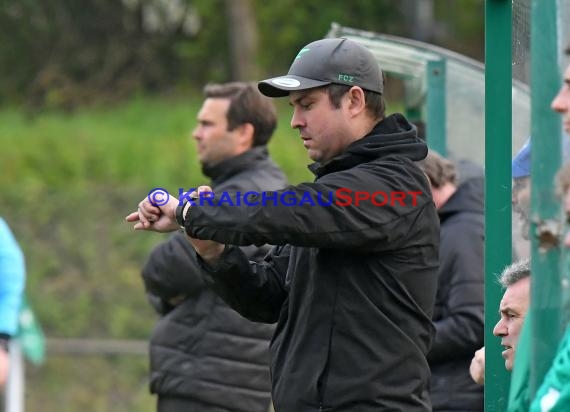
[458,315]
[201,349]
[352,287]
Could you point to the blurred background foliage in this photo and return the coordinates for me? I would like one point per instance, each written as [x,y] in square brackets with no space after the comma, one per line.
[97,101]
[64,53]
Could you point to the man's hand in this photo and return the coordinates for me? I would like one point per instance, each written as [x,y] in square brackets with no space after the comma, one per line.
[477,368]
[155,218]
[163,219]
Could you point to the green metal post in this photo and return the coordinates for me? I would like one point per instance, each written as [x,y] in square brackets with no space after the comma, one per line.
[436,107]
[545,207]
[498,152]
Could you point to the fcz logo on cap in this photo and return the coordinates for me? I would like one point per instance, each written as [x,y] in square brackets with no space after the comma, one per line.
[346,78]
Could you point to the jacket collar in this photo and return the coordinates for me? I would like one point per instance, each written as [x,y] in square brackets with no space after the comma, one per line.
[469,197]
[392,136]
[234,165]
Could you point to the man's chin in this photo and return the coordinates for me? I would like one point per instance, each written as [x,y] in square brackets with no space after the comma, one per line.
[314,156]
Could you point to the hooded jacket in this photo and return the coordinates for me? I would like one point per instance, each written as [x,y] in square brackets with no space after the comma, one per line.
[352,287]
[201,350]
[458,315]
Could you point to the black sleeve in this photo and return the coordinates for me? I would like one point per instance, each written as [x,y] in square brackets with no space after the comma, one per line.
[255,290]
[304,222]
[461,330]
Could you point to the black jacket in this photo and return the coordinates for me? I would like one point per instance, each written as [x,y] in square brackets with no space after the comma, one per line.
[201,349]
[458,314]
[352,288]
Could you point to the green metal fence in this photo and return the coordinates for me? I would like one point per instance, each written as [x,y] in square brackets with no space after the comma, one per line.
[498,132]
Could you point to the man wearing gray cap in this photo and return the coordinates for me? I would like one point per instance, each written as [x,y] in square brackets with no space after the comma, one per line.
[351,283]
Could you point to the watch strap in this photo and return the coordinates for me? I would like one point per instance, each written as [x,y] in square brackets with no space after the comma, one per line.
[180,213]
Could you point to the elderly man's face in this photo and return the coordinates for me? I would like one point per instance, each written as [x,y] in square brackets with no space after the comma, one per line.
[513,309]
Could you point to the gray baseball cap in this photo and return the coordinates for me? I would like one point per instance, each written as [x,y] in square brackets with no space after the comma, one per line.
[326,61]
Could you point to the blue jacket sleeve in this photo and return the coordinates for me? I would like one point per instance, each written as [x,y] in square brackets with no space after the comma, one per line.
[12,280]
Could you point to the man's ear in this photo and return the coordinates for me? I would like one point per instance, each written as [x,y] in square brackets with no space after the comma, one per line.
[245,135]
[356,100]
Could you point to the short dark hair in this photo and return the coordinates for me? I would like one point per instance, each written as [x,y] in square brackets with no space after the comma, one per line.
[247,105]
[375,104]
[567,50]
[515,272]
[438,169]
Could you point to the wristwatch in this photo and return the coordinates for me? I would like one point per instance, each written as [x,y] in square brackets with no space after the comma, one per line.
[179,214]
[182,210]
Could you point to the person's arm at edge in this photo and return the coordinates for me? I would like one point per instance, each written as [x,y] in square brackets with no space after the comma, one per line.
[13,274]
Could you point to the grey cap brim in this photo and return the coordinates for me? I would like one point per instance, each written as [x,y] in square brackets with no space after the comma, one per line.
[282,85]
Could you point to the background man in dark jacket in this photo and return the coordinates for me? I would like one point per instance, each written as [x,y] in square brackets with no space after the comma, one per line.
[204,356]
[351,284]
[458,314]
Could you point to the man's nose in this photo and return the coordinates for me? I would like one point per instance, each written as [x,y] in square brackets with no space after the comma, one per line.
[560,102]
[296,120]
[500,329]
